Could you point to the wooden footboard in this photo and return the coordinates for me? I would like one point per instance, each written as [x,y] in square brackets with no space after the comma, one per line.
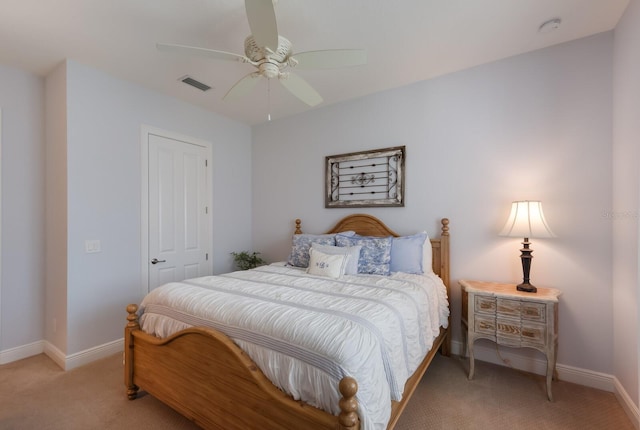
[206,377]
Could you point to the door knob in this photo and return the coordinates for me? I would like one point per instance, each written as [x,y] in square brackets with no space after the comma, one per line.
[156,261]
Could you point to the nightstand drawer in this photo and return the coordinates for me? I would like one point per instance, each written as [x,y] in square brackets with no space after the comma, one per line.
[533,334]
[533,311]
[485,304]
[520,333]
[507,307]
[484,324]
[508,332]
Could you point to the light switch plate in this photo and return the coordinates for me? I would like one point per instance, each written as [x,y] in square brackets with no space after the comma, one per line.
[91,246]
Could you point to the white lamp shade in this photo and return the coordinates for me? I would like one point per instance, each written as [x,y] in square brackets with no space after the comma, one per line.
[526,220]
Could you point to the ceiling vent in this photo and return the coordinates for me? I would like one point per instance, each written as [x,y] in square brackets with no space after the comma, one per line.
[194,83]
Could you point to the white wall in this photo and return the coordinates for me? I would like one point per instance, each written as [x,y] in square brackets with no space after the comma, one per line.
[22,247]
[535,126]
[104,117]
[626,198]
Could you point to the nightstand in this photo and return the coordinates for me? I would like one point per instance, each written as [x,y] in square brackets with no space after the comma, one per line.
[502,314]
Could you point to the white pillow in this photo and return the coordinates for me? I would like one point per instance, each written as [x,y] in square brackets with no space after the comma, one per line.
[352,251]
[427,256]
[322,264]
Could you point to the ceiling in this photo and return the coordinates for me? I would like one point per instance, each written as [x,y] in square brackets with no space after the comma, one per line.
[406,41]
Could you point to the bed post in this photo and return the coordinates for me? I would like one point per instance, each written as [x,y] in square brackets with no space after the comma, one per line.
[348,418]
[133,324]
[298,226]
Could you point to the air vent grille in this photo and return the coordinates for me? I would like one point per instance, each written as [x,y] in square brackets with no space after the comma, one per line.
[194,83]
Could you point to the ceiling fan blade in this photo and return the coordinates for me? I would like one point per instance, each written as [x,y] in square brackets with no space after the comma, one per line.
[242,87]
[301,89]
[331,58]
[202,52]
[262,21]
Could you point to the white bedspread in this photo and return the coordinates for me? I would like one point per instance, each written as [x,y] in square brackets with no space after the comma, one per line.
[306,332]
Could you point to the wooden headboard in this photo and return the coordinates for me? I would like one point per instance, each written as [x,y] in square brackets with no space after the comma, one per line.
[367,225]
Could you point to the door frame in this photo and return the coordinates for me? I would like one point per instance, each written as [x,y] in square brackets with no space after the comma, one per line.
[145,131]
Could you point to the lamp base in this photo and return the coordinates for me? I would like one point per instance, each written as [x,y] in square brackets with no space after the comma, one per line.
[526,287]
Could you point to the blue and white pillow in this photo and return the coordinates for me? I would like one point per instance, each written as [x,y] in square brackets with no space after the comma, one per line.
[352,251]
[299,256]
[407,254]
[375,255]
[322,264]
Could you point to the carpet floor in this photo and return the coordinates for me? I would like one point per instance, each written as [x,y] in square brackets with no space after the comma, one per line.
[36,394]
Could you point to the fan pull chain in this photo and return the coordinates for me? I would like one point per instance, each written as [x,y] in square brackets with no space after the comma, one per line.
[268,99]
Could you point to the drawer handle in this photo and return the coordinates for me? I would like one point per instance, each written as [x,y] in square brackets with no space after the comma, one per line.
[528,333]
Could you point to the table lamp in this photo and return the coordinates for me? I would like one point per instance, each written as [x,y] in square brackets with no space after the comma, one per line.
[526,220]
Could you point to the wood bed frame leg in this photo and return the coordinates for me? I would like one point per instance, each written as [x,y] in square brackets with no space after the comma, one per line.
[348,418]
[445,348]
[133,324]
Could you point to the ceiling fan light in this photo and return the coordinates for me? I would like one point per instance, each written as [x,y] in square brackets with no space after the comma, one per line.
[269,70]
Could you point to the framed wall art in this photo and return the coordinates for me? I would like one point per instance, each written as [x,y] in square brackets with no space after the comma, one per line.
[365,179]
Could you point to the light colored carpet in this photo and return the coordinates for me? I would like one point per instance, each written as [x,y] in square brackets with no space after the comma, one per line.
[36,394]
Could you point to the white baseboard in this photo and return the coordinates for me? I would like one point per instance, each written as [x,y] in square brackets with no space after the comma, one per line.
[66,362]
[55,354]
[627,404]
[88,355]
[589,378]
[20,352]
[84,357]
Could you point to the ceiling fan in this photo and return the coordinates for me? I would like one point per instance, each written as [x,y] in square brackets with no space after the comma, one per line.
[271,54]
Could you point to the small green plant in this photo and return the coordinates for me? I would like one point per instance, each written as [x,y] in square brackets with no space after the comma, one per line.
[247,260]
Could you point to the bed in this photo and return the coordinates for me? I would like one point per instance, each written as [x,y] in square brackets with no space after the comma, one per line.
[203,374]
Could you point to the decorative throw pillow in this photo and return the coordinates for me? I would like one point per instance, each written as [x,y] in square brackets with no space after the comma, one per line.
[322,264]
[299,256]
[375,254]
[352,251]
[407,253]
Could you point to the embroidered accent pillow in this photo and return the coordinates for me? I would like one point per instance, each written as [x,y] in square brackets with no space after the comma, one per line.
[322,264]
[352,251]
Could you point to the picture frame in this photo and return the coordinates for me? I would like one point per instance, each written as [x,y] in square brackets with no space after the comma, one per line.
[373,178]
